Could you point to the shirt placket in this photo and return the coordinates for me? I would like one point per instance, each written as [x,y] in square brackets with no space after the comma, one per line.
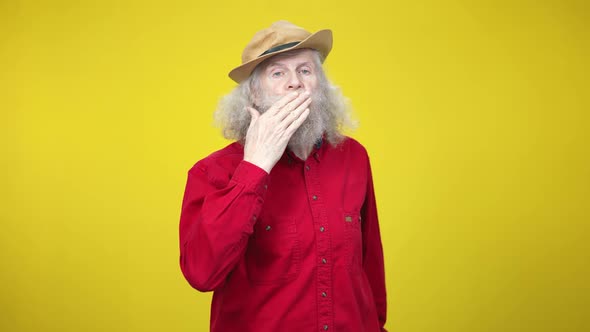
[323,244]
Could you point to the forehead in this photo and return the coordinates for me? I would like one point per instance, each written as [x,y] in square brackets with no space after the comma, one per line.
[291,58]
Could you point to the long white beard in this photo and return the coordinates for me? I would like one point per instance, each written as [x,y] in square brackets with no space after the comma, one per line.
[312,129]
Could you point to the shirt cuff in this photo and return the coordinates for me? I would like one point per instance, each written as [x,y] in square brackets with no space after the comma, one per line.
[252,177]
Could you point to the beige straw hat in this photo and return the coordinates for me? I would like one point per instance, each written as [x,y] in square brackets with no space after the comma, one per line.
[281,36]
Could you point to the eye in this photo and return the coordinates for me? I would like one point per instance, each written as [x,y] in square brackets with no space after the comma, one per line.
[276,74]
[305,71]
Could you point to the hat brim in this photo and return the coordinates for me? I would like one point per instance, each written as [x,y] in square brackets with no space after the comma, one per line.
[321,41]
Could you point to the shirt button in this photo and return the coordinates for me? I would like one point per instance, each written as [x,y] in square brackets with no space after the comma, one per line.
[324,261]
[268,227]
[324,294]
[325,327]
[307,167]
[265,186]
[314,197]
[322,228]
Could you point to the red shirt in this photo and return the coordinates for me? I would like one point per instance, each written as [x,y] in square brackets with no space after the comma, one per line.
[298,249]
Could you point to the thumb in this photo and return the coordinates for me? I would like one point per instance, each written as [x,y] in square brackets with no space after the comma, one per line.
[253,113]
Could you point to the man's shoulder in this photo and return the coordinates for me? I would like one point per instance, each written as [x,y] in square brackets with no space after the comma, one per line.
[351,145]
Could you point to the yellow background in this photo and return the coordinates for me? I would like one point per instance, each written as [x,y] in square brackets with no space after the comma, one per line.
[475,114]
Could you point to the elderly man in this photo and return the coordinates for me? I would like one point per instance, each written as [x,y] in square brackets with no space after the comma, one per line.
[282,224]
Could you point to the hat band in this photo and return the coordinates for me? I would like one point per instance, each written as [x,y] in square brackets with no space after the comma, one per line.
[279,48]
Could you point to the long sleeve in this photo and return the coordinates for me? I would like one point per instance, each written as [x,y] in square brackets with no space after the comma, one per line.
[219,210]
[373,262]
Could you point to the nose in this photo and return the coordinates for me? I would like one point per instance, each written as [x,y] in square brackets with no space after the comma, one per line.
[294,82]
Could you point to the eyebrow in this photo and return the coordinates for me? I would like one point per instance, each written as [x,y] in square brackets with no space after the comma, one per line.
[280,64]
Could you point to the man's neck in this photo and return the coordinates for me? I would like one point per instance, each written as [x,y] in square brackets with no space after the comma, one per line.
[301,152]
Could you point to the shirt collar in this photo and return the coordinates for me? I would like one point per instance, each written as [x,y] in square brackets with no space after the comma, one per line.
[316,153]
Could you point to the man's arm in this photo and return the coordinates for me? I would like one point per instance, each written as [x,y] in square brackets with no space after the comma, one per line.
[215,223]
[373,262]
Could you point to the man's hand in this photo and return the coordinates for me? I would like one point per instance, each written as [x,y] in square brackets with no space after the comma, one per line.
[269,133]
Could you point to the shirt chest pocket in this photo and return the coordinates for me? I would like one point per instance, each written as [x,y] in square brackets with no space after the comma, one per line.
[354,241]
[273,251]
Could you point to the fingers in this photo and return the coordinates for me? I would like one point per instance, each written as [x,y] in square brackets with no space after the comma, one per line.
[292,105]
[286,118]
[296,123]
[288,113]
[283,102]
[288,103]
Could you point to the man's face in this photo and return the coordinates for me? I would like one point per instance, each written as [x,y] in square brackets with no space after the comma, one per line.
[284,74]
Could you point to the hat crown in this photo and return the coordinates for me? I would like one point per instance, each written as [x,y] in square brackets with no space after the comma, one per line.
[279,33]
